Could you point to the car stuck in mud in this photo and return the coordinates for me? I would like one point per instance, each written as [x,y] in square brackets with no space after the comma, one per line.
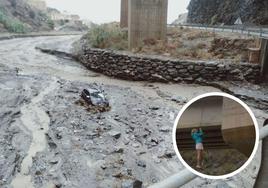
[95,97]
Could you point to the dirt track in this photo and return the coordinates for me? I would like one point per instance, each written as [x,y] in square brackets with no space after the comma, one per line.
[71,147]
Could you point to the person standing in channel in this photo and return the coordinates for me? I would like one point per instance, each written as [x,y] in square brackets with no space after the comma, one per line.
[197,135]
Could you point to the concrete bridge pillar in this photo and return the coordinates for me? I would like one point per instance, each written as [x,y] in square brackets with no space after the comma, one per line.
[264,59]
[147,19]
[124,14]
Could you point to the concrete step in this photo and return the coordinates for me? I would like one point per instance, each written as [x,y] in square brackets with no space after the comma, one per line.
[212,138]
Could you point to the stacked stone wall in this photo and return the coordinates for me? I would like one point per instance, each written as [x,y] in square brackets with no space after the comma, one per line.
[149,68]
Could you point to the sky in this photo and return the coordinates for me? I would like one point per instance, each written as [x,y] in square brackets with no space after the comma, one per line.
[103,11]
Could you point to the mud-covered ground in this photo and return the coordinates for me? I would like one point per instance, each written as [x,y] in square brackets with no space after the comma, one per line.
[216,162]
[47,140]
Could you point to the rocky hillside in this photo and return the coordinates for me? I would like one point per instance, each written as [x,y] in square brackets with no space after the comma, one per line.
[182,19]
[252,12]
[18,16]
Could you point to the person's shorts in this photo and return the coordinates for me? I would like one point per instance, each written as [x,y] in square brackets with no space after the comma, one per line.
[199,146]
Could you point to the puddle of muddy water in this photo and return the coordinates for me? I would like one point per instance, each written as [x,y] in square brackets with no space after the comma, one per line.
[36,121]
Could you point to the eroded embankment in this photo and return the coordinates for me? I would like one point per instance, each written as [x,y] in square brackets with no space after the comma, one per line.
[230,78]
[134,67]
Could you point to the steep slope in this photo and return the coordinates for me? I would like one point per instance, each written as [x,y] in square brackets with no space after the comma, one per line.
[252,12]
[18,16]
[182,18]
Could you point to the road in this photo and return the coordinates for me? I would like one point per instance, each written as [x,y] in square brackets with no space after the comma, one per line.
[247,31]
[47,140]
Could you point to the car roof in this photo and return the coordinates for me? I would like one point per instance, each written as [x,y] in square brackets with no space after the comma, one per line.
[92,90]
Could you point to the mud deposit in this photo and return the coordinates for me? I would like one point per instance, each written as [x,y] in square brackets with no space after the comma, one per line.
[216,162]
[47,140]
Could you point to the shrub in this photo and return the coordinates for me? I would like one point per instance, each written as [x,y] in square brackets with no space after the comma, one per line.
[32,14]
[51,23]
[213,20]
[62,22]
[12,25]
[201,45]
[16,27]
[196,34]
[13,3]
[107,36]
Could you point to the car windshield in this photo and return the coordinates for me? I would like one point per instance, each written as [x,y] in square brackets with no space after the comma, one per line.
[95,94]
[86,92]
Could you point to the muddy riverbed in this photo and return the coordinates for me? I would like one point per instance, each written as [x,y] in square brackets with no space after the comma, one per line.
[47,140]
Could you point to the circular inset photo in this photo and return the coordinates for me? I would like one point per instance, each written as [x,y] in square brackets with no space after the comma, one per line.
[215,135]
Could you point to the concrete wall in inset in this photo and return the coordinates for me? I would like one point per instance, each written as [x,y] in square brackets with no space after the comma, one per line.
[202,113]
[235,115]
[146,19]
[237,127]
[124,14]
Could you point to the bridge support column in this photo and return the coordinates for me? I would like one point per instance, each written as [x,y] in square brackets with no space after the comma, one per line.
[124,14]
[147,19]
[264,59]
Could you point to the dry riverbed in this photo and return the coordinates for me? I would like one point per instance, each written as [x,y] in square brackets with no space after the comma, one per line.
[47,140]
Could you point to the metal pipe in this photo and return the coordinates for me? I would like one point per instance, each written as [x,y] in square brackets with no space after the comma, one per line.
[176,180]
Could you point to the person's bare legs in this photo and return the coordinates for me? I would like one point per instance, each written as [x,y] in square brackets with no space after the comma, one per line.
[202,158]
[199,157]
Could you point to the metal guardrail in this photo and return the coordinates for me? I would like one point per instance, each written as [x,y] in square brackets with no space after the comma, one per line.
[261,32]
[186,176]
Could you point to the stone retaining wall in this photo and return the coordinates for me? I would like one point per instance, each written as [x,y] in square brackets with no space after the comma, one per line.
[147,68]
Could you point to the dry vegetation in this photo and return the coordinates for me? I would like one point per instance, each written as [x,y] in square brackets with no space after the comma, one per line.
[109,36]
[182,43]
